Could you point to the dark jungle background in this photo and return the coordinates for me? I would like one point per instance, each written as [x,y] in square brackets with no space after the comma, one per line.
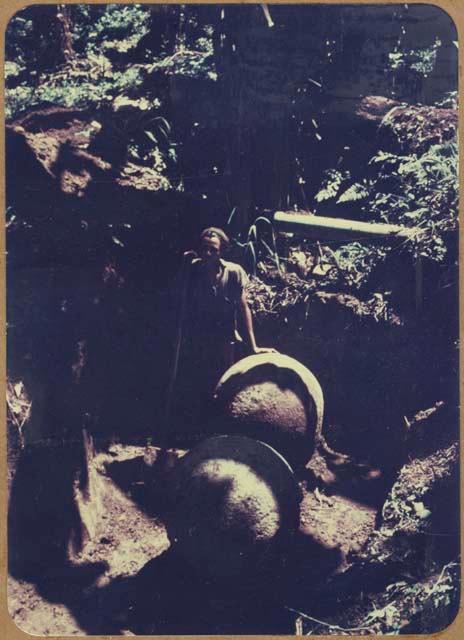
[129,128]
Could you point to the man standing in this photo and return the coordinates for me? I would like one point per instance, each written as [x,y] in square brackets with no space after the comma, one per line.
[215,306]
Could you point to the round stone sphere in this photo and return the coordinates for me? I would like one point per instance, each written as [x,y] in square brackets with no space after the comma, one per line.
[275,399]
[235,503]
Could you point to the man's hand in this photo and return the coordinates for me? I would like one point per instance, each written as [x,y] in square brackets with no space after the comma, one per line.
[248,322]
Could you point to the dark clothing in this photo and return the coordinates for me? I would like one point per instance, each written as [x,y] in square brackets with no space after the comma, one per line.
[212,308]
[210,331]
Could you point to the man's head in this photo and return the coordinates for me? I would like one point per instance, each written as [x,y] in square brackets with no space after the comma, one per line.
[213,243]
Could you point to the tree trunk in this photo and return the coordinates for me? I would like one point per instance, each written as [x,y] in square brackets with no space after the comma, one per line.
[65,27]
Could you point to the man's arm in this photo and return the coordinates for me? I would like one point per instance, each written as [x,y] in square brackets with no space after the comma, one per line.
[247,317]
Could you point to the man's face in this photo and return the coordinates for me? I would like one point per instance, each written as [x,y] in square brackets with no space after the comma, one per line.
[210,250]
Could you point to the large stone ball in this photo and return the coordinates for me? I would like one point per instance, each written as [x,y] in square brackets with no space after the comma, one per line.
[235,502]
[275,399]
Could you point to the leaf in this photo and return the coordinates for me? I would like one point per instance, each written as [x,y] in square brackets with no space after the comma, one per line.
[251,248]
[252,232]
[354,193]
[378,614]
[151,136]
[231,217]
[164,123]
[263,219]
[18,388]
[421,511]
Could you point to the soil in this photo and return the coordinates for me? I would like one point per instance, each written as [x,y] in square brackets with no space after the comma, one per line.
[118,584]
[68,602]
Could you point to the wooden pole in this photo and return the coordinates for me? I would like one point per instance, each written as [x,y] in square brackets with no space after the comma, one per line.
[187,258]
[342,230]
[339,229]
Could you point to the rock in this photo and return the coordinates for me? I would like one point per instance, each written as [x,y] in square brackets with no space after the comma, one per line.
[234,503]
[375,108]
[405,128]
[273,398]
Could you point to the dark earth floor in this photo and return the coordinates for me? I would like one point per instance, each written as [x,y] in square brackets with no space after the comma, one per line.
[126,580]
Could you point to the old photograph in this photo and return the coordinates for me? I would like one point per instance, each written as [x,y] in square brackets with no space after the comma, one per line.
[232,319]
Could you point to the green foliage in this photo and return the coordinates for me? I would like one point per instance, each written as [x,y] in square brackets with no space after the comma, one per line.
[355,193]
[415,128]
[449,100]
[413,599]
[422,192]
[421,60]
[114,27]
[91,81]
[401,603]
[90,78]
[189,63]
[193,49]
[20,49]
[331,184]
[259,242]
[355,261]
[416,190]
[18,99]
[105,40]
[12,69]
